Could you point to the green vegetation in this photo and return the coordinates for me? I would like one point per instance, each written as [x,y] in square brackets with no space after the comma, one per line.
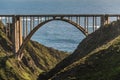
[100,64]
[96,58]
[37,59]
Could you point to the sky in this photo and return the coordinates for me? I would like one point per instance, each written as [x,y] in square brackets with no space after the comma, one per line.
[111,1]
[90,2]
[55,0]
[53,5]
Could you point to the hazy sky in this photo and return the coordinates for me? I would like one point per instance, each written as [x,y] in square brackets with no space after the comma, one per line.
[90,2]
[114,1]
[68,5]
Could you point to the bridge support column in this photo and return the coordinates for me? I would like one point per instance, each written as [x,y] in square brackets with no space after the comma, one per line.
[105,20]
[17,33]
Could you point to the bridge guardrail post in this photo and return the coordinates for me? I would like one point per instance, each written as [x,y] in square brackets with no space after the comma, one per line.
[13,33]
[16,33]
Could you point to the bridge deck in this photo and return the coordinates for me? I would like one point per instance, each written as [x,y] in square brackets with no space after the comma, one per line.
[60,15]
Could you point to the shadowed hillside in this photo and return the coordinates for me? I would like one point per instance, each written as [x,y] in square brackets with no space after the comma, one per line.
[95,57]
[101,64]
[37,59]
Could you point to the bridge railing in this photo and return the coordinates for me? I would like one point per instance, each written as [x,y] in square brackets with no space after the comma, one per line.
[84,21]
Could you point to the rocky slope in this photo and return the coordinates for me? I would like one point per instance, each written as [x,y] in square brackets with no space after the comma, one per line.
[96,58]
[37,59]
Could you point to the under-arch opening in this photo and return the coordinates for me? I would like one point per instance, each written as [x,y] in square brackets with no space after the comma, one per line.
[43,23]
[59,35]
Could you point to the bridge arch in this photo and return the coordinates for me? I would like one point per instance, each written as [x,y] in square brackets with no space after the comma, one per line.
[41,24]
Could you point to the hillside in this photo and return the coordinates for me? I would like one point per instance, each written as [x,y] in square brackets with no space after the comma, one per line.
[96,58]
[101,64]
[37,59]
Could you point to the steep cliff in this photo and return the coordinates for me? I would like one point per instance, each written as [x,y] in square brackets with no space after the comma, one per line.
[37,59]
[96,58]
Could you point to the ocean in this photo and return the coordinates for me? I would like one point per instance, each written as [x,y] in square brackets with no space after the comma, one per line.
[58,34]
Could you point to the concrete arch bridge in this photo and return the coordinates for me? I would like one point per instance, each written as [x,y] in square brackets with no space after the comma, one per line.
[24,26]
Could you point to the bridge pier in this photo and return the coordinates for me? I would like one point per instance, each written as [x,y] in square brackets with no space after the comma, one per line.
[105,20]
[17,33]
